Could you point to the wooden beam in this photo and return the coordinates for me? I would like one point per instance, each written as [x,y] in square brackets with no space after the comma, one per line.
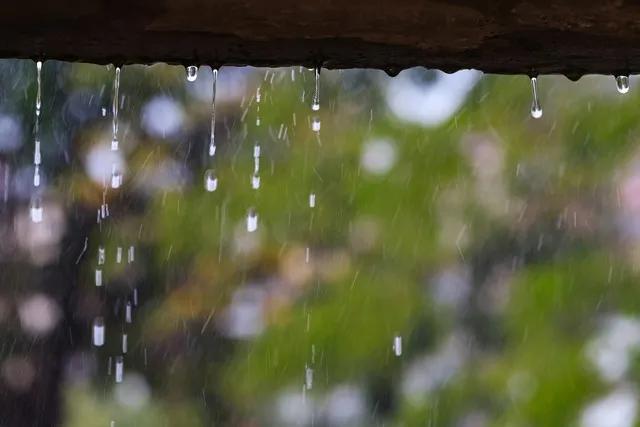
[572,37]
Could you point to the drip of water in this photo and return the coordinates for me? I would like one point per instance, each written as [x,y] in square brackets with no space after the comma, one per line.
[397,345]
[37,156]
[98,332]
[98,277]
[119,254]
[255,181]
[622,84]
[101,255]
[536,109]
[312,200]
[115,145]
[308,377]
[210,180]
[252,220]
[128,312]
[258,99]
[119,369]
[116,177]
[135,297]
[315,103]
[131,255]
[192,73]
[36,209]
[315,124]
[212,141]
[125,343]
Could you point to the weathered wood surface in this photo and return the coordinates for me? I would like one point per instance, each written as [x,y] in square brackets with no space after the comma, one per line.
[572,37]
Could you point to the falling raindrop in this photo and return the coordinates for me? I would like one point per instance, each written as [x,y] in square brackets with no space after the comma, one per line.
[135,297]
[98,277]
[119,254]
[131,255]
[125,343]
[210,180]
[115,145]
[212,141]
[397,345]
[192,73]
[98,332]
[622,84]
[315,124]
[536,109]
[252,220]
[312,200]
[315,103]
[119,369]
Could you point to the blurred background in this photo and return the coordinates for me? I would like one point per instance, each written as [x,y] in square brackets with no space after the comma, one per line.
[424,252]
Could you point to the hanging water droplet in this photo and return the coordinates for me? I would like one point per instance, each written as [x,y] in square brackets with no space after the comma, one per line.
[98,278]
[39,87]
[252,220]
[536,109]
[255,181]
[192,73]
[622,84]
[36,209]
[101,255]
[210,180]
[128,312]
[212,140]
[98,332]
[308,377]
[315,103]
[397,345]
[125,343]
[119,369]
[115,105]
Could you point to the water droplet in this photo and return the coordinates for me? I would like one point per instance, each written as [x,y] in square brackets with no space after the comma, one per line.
[37,155]
[116,178]
[397,345]
[36,210]
[315,103]
[119,254]
[192,73]
[256,151]
[536,109]
[622,84]
[135,297]
[125,343]
[36,176]
[315,124]
[308,377]
[114,109]
[255,181]
[131,256]
[312,200]
[212,141]
[119,369]
[101,255]
[252,220]
[258,95]
[128,312]
[98,278]
[210,180]
[98,332]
